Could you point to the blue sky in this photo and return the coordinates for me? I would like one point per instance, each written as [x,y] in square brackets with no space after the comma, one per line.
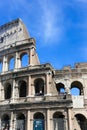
[59,27]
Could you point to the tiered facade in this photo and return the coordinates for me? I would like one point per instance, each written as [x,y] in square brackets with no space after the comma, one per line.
[35,96]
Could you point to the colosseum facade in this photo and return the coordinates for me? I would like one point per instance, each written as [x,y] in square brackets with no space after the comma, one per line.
[36,96]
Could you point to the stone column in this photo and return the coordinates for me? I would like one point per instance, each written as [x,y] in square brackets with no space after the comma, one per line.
[48,83]
[3,69]
[11,122]
[70,119]
[48,120]
[5,64]
[16,90]
[13,91]
[2,92]
[29,86]
[66,124]
[17,61]
[67,86]
[30,56]
[28,120]
[14,122]
[0,123]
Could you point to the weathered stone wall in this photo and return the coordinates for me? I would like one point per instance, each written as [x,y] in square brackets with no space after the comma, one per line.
[38,91]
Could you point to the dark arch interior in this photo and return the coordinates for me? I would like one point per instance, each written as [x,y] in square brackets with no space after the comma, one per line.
[58,115]
[39,116]
[20,122]
[80,117]
[5,117]
[60,88]
[22,89]
[39,87]
[5,122]
[82,122]
[21,116]
[8,91]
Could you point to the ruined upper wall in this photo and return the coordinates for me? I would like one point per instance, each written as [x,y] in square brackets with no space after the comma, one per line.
[12,32]
[78,70]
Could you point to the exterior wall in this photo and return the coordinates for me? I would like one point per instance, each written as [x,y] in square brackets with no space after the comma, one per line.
[42,98]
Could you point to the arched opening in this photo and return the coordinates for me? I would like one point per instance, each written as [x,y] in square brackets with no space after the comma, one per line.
[22,89]
[38,123]
[58,121]
[39,87]
[5,122]
[20,122]
[60,88]
[76,88]
[24,60]
[81,120]
[11,63]
[0,66]
[8,91]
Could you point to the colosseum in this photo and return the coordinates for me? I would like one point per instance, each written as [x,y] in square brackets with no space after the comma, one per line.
[36,96]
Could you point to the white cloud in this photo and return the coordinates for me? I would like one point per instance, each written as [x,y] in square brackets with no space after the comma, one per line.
[51,22]
[83,1]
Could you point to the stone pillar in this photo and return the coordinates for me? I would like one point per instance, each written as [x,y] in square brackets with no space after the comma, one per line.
[29,86]
[48,83]
[3,68]
[51,124]
[16,90]
[5,64]
[48,120]
[28,120]
[0,91]
[30,60]
[13,91]
[70,119]
[11,122]
[66,124]
[0,123]
[67,86]
[14,122]
[17,61]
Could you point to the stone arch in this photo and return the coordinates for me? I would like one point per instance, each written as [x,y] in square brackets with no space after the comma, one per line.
[58,121]
[24,57]
[38,122]
[38,115]
[39,86]
[7,91]
[5,122]
[82,121]
[22,88]
[20,123]
[60,88]
[11,62]
[76,88]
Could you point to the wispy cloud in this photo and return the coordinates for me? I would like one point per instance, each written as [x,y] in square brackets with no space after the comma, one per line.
[83,1]
[51,22]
